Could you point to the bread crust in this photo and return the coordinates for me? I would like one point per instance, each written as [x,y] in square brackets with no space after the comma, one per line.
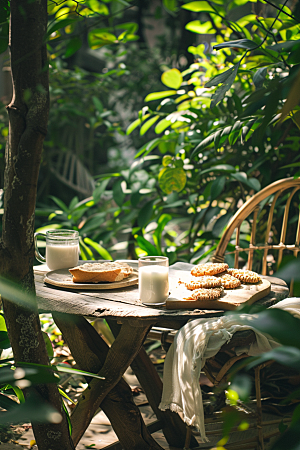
[108,272]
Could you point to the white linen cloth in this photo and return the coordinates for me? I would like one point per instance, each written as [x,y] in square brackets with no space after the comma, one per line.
[193,344]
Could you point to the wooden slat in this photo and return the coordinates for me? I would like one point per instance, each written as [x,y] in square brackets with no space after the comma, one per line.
[267,235]
[252,239]
[237,244]
[284,225]
[247,209]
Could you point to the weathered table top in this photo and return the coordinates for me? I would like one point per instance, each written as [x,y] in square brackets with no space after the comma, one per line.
[124,304]
[91,353]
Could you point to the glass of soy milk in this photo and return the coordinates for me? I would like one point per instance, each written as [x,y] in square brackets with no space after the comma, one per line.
[153,279]
[62,249]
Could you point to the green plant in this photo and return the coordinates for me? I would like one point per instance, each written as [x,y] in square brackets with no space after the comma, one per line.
[15,376]
[223,136]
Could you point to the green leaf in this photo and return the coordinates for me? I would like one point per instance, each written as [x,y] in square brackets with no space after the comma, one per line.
[220,224]
[171,5]
[145,214]
[172,78]
[203,144]
[171,179]
[2,321]
[98,104]
[279,324]
[167,159]
[158,95]
[56,368]
[118,194]
[240,43]
[217,138]
[19,393]
[247,128]
[98,38]
[242,384]
[48,344]
[162,126]
[254,184]
[221,91]
[269,111]
[4,340]
[219,168]
[29,412]
[284,46]
[224,135]
[147,148]
[72,46]
[100,189]
[99,249]
[133,126]
[201,6]
[161,224]
[4,10]
[6,402]
[217,187]
[59,24]
[293,98]
[34,373]
[59,203]
[285,355]
[199,27]
[235,132]
[259,77]
[145,127]
[149,248]
[220,78]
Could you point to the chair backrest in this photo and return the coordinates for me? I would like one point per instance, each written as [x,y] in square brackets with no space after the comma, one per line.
[272,219]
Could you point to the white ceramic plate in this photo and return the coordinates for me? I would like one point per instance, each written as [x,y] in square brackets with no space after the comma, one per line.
[63,279]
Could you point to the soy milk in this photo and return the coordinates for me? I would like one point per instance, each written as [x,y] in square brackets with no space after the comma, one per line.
[62,256]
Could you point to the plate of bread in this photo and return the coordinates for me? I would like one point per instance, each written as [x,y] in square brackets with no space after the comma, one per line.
[94,275]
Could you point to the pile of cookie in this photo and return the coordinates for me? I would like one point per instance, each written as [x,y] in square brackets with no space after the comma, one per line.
[210,279]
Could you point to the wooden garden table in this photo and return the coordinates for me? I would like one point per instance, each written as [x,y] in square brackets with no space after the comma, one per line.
[130,322]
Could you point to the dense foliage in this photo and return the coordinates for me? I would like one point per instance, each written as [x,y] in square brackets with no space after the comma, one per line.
[219,131]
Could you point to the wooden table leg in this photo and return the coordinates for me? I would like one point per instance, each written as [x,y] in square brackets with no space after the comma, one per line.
[93,355]
[174,428]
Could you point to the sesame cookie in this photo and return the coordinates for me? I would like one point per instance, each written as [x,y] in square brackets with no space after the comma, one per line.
[208,269]
[203,282]
[229,282]
[245,276]
[206,294]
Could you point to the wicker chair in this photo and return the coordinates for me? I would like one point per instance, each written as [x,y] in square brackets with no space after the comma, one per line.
[263,212]
[266,216]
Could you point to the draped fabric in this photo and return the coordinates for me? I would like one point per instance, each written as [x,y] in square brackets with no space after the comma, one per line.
[197,341]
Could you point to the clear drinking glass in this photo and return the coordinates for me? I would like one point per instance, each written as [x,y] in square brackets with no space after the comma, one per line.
[62,249]
[153,279]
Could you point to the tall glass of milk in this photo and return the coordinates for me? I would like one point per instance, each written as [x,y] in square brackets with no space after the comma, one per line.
[153,279]
[62,249]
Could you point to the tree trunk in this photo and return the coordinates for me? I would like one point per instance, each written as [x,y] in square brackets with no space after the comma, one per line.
[28,116]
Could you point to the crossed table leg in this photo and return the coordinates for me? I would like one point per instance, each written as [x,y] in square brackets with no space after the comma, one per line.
[93,355]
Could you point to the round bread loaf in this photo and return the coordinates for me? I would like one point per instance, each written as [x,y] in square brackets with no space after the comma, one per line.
[203,282]
[100,272]
[208,269]
[245,276]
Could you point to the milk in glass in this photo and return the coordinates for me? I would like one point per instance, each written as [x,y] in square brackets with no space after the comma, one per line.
[153,284]
[62,256]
